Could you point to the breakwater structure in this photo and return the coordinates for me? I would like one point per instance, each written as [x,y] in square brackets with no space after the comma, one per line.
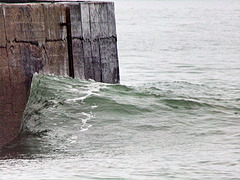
[64,38]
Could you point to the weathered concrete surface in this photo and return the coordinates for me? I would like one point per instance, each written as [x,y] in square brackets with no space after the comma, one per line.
[34,38]
[93,30]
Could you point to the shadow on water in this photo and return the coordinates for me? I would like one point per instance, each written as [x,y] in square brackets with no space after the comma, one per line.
[25,146]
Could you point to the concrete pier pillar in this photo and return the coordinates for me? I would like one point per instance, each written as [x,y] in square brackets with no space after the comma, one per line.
[76,39]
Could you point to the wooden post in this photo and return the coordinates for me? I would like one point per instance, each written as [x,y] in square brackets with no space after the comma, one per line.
[76,39]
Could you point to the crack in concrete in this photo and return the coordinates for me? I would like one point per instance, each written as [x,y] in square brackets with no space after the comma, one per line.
[96,39]
[45,51]
[55,40]
[34,43]
[100,60]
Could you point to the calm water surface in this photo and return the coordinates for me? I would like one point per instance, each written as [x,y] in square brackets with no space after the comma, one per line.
[176,114]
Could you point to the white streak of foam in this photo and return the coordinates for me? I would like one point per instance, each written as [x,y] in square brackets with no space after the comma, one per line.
[86,126]
[93,89]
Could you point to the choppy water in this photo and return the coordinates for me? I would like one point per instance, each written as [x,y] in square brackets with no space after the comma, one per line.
[176,114]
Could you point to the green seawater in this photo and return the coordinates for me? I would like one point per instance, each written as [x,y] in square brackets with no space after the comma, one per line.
[85,129]
[175,114]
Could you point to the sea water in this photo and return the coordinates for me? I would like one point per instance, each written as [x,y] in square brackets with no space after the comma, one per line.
[175,114]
